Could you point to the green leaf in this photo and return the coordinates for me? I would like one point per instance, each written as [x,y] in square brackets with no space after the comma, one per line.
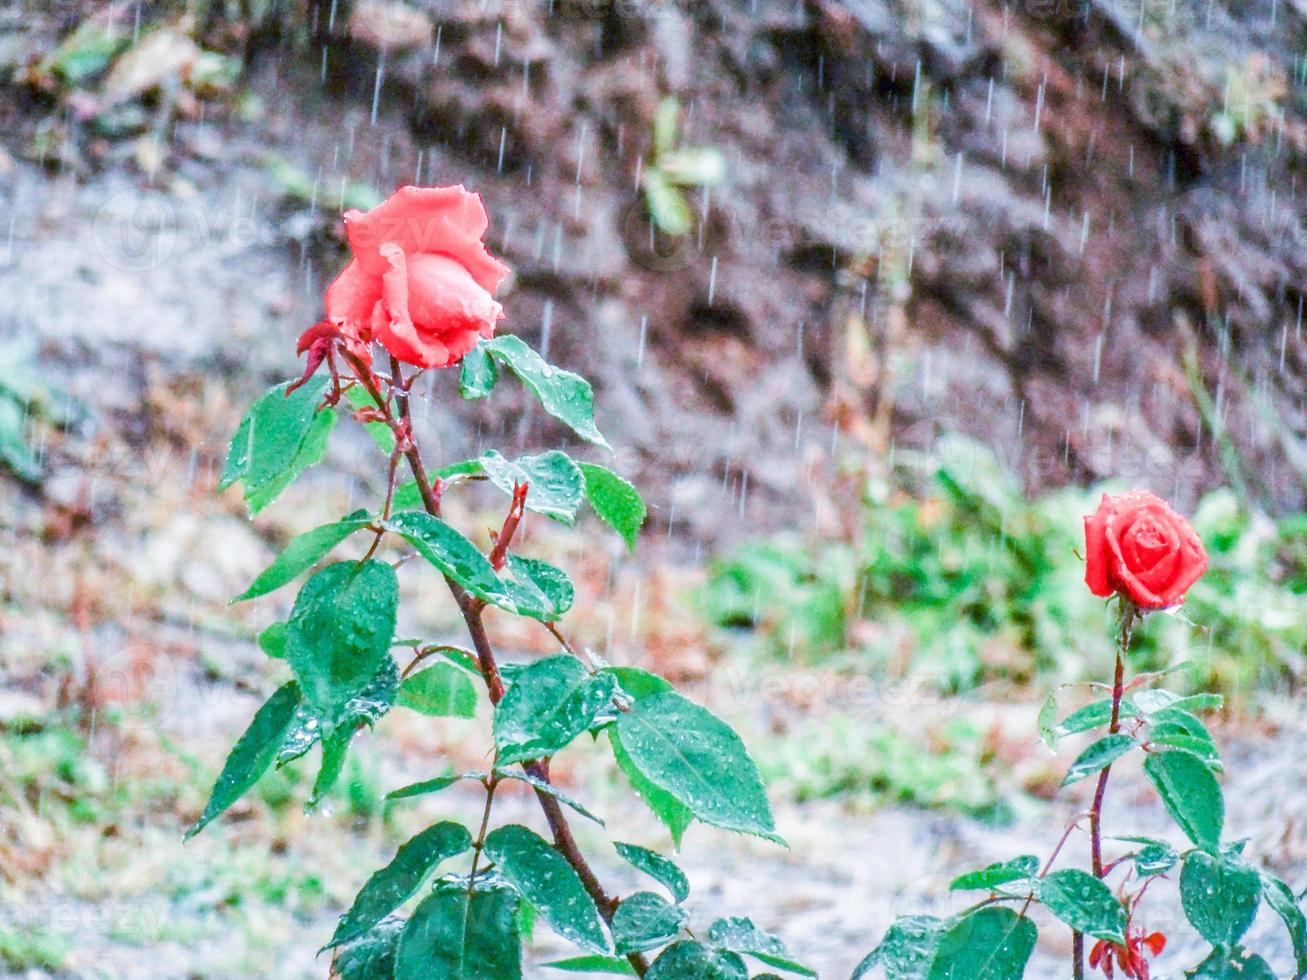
[639,683]
[550,703]
[593,964]
[370,956]
[544,878]
[430,786]
[280,437]
[392,886]
[1154,858]
[340,631]
[667,205]
[549,789]
[617,502]
[335,749]
[1098,756]
[441,690]
[675,815]
[645,921]
[253,753]
[1280,898]
[566,396]
[1198,702]
[908,949]
[740,935]
[272,641]
[1091,716]
[657,867]
[992,943]
[1046,722]
[380,432]
[555,482]
[688,960]
[1232,964]
[694,167]
[1219,895]
[1190,794]
[538,589]
[1084,903]
[687,751]
[454,936]
[365,708]
[988,878]
[302,553]
[478,375]
[1175,727]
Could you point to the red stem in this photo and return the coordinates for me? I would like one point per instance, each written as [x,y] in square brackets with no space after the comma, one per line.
[471,609]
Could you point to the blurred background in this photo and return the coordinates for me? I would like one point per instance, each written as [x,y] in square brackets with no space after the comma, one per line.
[877,297]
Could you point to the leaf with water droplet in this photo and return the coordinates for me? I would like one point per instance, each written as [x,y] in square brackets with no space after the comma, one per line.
[253,753]
[740,935]
[907,950]
[370,956]
[1018,869]
[615,500]
[1280,898]
[1219,895]
[992,943]
[645,921]
[454,935]
[391,886]
[566,396]
[550,703]
[280,436]
[302,553]
[1190,794]
[656,866]
[690,960]
[1098,756]
[544,878]
[441,690]
[554,481]
[1084,903]
[690,753]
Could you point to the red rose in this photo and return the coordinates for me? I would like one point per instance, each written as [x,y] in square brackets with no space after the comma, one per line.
[1137,545]
[421,280]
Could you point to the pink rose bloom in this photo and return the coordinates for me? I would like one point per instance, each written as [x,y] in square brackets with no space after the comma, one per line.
[421,280]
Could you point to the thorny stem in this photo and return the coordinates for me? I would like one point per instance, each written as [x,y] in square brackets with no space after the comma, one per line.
[471,609]
[1129,613]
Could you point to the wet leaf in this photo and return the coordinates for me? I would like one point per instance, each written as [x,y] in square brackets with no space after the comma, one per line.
[1219,895]
[549,789]
[1280,898]
[430,786]
[253,753]
[689,960]
[391,886]
[645,921]
[1232,964]
[1004,872]
[1091,716]
[657,867]
[740,935]
[340,631]
[550,703]
[280,437]
[675,815]
[456,936]
[441,690]
[616,501]
[544,878]
[365,708]
[478,374]
[370,956]
[555,481]
[1084,903]
[908,949]
[1154,858]
[1190,794]
[272,641]
[566,396]
[594,964]
[302,553]
[992,943]
[1098,756]
[539,589]
[694,756]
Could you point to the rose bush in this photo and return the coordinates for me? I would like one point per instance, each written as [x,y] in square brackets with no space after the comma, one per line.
[1136,545]
[421,281]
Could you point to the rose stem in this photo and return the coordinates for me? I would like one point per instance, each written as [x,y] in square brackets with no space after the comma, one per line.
[1128,614]
[471,609]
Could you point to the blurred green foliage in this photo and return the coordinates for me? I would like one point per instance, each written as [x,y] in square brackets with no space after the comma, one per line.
[958,575]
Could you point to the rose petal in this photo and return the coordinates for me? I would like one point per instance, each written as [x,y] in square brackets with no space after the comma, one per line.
[415,219]
[352,295]
[1096,550]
